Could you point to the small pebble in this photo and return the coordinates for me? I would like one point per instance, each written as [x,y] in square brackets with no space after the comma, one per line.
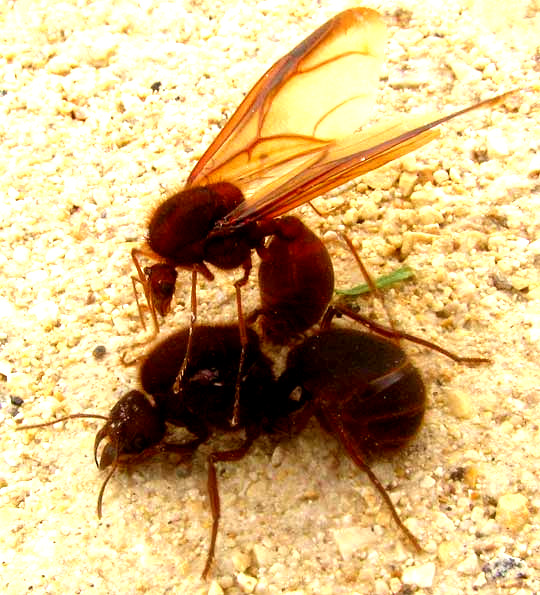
[427,483]
[448,552]
[46,311]
[443,522]
[407,181]
[504,567]
[472,240]
[383,178]
[99,352]
[351,539]
[421,197]
[62,64]
[278,456]
[226,581]
[520,282]
[422,575]
[440,176]
[512,511]
[246,582]
[460,404]
[351,216]
[454,174]
[534,166]
[263,556]
[471,476]
[464,72]
[409,163]
[381,588]
[101,52]
[240,561]
[496,144]
[469,565]
[490,70]
[410,238]
[428,215]
[21,254]
[215,589]
[368,210]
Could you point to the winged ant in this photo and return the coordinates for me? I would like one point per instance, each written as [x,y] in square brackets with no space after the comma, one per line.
[291,139]
[261,165]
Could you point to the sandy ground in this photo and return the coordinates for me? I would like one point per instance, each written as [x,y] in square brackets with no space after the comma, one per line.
[88,148]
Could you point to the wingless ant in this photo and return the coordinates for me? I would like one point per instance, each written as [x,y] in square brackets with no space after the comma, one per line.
[361,387]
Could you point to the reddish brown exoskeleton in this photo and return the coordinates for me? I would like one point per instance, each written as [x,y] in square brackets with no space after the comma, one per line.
[294,137]
[361,387]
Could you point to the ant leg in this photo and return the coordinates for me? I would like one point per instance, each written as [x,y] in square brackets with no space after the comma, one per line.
[142,278]
[192,321]
[323,214]
[127,363]
[185,450]
[336,425]
[369,280]
[207,274]
[135,280]
[213,493]
[340,310]
[365,273]
[243,339]
[389,332]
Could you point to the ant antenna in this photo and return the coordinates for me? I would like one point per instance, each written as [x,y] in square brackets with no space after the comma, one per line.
[65,418]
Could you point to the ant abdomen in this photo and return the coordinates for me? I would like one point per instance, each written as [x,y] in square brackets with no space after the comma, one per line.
[363,380]
[296,280]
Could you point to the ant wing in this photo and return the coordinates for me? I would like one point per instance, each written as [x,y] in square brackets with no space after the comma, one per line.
[320,91]
[338,163]
[341,161]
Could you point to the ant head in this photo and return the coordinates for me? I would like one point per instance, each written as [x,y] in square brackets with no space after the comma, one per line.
[161,279]
[134,425]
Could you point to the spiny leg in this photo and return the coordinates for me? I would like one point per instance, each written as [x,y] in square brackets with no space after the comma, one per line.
[243,339]
[192,321]
[339,431]
[213,492]
[368,279]
[340,310]
[142,279]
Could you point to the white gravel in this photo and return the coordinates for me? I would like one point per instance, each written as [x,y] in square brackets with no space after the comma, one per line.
[88,148]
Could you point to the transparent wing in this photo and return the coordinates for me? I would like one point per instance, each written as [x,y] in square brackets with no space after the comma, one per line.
[342,161]
[294,136]
[322,90]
